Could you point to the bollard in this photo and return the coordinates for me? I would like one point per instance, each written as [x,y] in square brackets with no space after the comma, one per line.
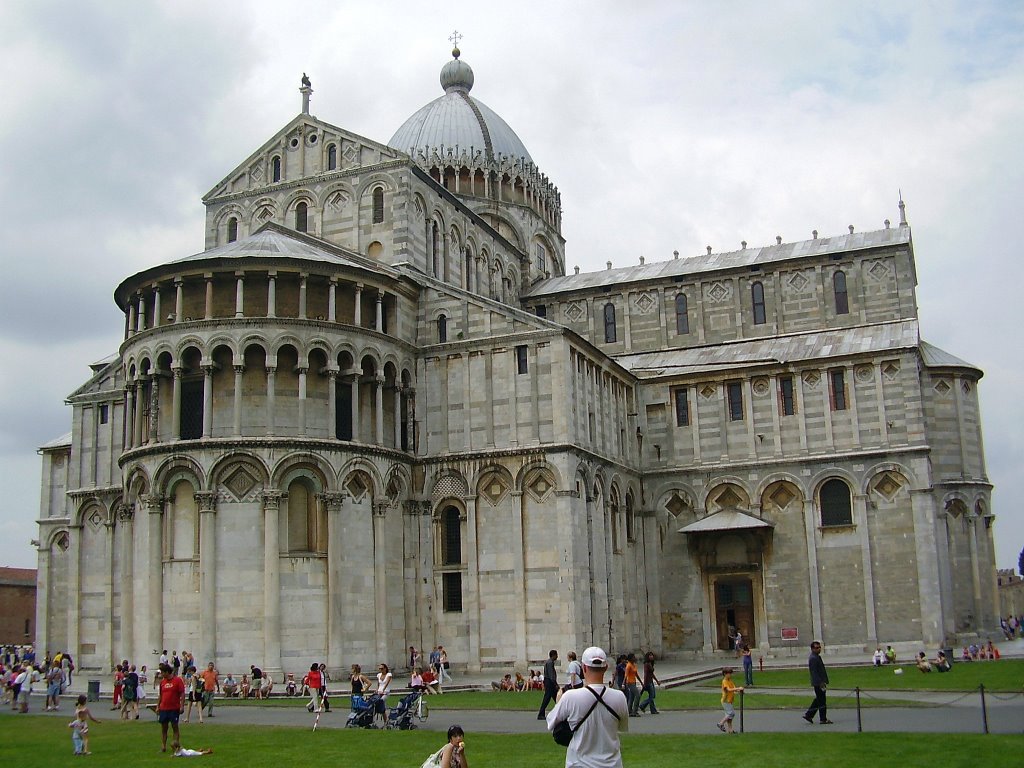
[984,710]
[860,725]
[741,711]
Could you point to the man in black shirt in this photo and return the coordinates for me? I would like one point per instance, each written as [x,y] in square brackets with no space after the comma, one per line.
[257,681]
[550,684]
[819,680]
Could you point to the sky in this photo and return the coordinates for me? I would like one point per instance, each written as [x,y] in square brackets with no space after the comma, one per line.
[665,125]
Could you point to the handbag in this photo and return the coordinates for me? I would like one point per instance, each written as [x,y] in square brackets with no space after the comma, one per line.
[434,760]
[563,733]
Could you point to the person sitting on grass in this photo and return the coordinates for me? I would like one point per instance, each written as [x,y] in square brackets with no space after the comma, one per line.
[429,680]
[890,655]
[520,684]
[180,751]
[941,663]
[229,686]
[923,663]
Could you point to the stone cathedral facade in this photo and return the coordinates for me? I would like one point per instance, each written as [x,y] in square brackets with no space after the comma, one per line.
[376,412]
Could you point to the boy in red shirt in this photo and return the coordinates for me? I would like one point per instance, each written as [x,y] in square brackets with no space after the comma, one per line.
[171,703]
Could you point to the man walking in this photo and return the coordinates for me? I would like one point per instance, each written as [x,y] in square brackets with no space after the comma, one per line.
[819,680]
[171,703]
[550,684]
[210,684]
[596,714]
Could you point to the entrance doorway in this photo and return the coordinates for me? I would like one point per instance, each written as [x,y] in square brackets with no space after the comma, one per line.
[734,610]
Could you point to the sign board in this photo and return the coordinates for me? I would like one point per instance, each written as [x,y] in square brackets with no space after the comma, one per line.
[790,633]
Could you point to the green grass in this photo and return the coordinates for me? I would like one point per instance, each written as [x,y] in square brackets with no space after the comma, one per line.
[43,742]
[1004,675]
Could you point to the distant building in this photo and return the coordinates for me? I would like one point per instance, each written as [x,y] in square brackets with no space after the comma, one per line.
[17,606]
[377,412]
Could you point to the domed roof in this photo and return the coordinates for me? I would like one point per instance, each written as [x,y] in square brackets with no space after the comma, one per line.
[458,120]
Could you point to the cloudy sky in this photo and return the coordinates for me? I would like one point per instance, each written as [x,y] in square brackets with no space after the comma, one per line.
[666,126]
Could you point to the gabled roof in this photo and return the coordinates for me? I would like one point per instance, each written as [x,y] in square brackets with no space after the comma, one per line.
[275,141]
[837,342]
[727,519]
[747,257]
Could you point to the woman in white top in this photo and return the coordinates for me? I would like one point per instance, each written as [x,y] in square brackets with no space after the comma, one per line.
[384,678]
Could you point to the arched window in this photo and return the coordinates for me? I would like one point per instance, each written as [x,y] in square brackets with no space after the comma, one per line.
[307,530]
[183,523]
[301,217]
[451,537]
[232,229]
[610,335]
[442,329]
[275,169]
[836,507]
[757,296]
[332,157]
[378,205]
[682,319]
[842,298]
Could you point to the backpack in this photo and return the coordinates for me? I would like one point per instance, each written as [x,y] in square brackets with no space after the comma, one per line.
[434,760]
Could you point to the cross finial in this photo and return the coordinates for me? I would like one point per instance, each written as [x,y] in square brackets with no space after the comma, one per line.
[455,38]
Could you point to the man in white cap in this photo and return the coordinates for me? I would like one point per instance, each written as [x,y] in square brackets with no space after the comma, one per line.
[596,713]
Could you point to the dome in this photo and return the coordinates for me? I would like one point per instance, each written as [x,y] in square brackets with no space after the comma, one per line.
[458,120]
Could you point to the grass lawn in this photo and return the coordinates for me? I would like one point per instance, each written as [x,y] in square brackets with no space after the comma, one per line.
[1004,675]
[44,742]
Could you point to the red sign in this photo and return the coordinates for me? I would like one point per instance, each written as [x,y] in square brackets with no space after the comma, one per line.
[790,633]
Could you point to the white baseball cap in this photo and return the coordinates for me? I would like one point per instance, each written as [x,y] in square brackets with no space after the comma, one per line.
[594,657]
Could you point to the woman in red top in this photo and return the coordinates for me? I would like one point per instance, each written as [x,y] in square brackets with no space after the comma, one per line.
[118,685]
[313,681]
[171,703]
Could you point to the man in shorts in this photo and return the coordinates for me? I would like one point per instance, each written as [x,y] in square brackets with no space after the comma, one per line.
[171,703]
[729,689]
[210,685]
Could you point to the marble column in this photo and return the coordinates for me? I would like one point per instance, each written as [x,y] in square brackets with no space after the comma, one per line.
[355,405]
[129,416]
[272,293]
[271,378]
[303,279]
[141,317]
[397,405]
[302,400]
[208,310]
[139,413]
[336,594]
[152,574]
[130,643]
[271,581]
[332,301]
[179,300]
[380,313]
[154,409]
[207,501]
[132,321]
[236,421]
[332,404]
[380,585]
[156,306]
[207,401]
[239,294]
[176,403]
[357,313]
[378,411]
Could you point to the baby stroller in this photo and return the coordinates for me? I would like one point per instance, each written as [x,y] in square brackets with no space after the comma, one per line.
[364,710]
[400,717]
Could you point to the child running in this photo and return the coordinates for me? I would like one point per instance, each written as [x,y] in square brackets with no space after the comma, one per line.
[729,689]
[80,727]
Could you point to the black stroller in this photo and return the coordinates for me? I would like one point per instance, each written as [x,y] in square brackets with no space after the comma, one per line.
[400,717]
[365,710]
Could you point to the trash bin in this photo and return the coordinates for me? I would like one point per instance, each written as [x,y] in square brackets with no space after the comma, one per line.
[94,690]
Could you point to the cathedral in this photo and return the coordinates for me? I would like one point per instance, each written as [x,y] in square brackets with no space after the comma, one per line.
[376,411]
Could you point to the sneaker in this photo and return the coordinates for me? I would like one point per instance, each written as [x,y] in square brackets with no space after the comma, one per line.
[826,721]
[809,720]
[720,727]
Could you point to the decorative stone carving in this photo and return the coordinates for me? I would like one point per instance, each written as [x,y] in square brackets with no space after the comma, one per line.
[718,292]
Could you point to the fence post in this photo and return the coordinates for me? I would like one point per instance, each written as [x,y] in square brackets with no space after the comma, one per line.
[984,709]
[860,725]
[741,711]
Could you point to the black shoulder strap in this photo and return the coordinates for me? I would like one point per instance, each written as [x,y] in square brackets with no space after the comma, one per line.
[599,698]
